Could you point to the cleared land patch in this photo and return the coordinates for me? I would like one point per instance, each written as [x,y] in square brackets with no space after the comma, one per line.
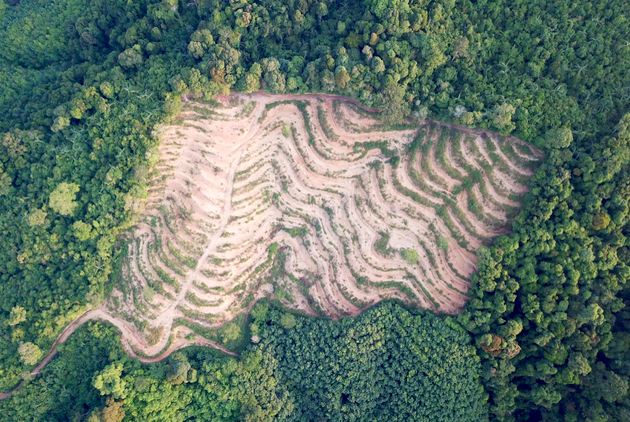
[313,200]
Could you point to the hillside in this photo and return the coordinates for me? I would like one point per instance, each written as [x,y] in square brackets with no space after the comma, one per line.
[498,131]
[313,201]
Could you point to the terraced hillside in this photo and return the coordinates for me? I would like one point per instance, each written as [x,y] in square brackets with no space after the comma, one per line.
[314,201]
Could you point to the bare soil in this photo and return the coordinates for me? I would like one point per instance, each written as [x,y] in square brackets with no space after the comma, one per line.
[254,171]
[254,174]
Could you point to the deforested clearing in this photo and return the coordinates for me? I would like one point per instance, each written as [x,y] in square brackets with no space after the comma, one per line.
[313,201]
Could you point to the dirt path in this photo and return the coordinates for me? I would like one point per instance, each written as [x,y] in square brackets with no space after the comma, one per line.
[123,326]
[290,173]
[255,175]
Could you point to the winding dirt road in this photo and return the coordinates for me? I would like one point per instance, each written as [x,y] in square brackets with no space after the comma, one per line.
[293,171]
[123,326]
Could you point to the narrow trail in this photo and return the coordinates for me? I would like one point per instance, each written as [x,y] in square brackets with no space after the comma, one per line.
[169,313]
[123,326]
[237,183]
[246,171]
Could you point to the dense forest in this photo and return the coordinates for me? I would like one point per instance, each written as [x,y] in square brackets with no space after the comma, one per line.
[86,85]
[387,364]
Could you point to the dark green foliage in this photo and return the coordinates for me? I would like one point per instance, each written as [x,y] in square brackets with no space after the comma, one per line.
[296,231]
[382,145]
[85,82]
[75,147]
[63,391]
[549,292]
[382,244]
[386,364]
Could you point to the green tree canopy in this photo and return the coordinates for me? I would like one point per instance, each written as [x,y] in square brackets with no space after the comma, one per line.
[62,199]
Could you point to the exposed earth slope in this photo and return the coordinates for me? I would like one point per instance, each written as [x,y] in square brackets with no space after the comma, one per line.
[313,200]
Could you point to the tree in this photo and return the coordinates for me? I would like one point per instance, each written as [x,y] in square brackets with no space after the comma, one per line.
[559,64]
[37,218]
[342,77]
[82,231]
[109,381]
[602,384]
[559,138]
[377,64]
[330,367]
[460,47]
[287,321]
[393,106]
[579,364]
[592,313]
[321,10]
[18,314]
[178,369]
[231,332]
[5,183]
[601,220]
[62,199]
[276,81]
[251,80]
[112,412]
[367,51]
[409,255]
[200,42]
[443,243]
[502,119]
[29,353]
[259,312]
[432,51]
[131,57]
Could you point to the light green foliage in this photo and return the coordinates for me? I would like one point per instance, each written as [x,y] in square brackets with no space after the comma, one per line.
[287,321]
[259,312]
[230,332]
[394,105]
[227,389]
[592,313]
[579,364]
[5,184]
[273,249]
[410,255]
[502,119]
[37,218]
[559,138]
[30,353]
[109,381]
[286,130]
[443,243]
[149,293]
[87,82]
[18,314]
[131,57]
[82,231]
[62,199]
[107,89]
